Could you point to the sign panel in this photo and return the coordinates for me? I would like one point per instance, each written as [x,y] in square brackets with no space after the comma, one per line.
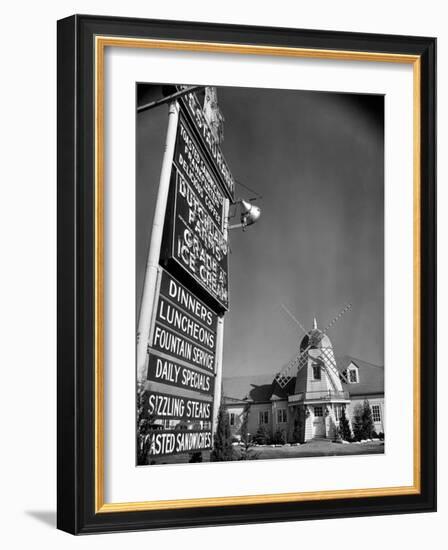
[198,245]
[175,292]
[181,355]
[174,344]
[175,318]
[194,225]
[184,328]
[172,373]
[178,407]
[194,109]
[171,442]
[192,164]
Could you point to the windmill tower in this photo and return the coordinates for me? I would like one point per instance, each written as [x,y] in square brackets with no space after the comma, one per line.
[318,396]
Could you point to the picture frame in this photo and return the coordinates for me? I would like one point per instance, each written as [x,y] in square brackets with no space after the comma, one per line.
[82,42]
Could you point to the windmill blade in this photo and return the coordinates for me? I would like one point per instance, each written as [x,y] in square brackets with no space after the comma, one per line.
[283,379]
[331,364]
[284,376]
[328,370]
[338,316]
[337,373]
[298,323]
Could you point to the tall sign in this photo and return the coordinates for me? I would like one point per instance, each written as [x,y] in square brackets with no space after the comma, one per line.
[181,367]
[194,232]
[184,328]
[185,342]
[208,138]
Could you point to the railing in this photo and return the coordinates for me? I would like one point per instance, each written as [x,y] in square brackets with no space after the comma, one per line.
[327,395]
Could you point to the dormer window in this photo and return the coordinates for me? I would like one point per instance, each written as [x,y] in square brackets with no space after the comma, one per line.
[353,375]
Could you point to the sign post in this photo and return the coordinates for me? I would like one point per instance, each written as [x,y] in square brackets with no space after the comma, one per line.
[185,294]
[149,285]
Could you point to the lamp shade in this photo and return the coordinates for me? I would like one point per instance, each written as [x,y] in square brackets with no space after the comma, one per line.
[249,213]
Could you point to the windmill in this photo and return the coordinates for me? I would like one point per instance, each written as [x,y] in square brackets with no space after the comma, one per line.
[315,344]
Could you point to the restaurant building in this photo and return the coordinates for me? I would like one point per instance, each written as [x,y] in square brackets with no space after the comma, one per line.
[310,404]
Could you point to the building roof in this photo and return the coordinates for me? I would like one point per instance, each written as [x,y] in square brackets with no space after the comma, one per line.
[263,387]
[256,387]
[371,377]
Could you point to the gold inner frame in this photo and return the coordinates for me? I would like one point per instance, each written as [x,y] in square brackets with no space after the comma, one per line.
[101,42]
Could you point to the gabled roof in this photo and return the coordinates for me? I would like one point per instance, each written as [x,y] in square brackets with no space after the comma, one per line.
[263,387]
[282,393]
[256,387]
[371,377]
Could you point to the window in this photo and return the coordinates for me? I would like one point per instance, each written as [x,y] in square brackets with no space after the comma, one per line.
[353,376]
[232,419]
[376,413]
[263,417]
[316,373]
[318,411]
[281,416]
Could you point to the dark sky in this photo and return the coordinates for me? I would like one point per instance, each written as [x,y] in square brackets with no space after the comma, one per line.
[317,160]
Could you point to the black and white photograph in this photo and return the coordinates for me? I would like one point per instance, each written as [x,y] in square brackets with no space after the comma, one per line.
[259,274]
[223,237]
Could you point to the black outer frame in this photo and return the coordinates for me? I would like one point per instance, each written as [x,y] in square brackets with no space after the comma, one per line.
[75,381]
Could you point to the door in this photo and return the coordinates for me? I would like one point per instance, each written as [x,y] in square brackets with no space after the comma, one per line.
[319,421]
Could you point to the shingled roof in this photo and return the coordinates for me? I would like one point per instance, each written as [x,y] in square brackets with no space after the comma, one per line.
[371,377]
[256,387]
[261,388]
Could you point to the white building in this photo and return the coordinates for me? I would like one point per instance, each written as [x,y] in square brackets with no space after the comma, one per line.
[309,405]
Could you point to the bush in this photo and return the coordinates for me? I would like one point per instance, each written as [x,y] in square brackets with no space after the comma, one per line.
[298,428]
[195,457]
[222,442]
[381,436]
[357,423]
[146,426]
[363,426]
[244,434]
[367,421]
[344,427]
[279,437]
[262,436]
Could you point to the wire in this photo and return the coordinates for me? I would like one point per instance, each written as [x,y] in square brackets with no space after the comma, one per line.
[249,189]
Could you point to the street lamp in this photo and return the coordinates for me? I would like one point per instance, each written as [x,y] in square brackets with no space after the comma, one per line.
[250,214]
